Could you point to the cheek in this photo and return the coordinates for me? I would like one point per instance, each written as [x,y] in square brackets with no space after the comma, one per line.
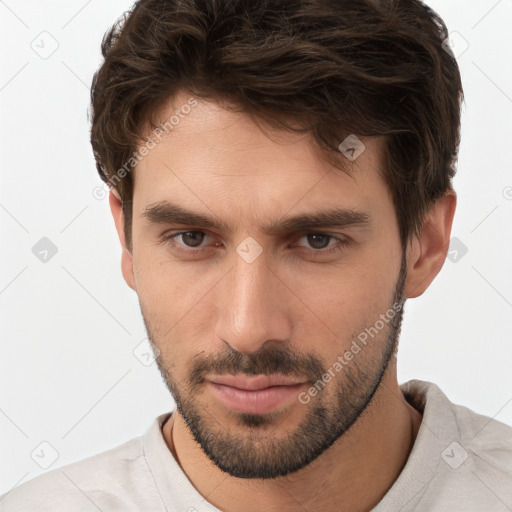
[338,303]
[176,305]
[348,292]
[169,288]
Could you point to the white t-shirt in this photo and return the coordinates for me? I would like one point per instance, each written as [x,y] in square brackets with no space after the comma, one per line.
[460,461]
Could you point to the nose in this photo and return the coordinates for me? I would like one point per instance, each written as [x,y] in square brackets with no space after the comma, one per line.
[251,306]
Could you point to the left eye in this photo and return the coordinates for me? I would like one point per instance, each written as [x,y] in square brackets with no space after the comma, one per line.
[318,240]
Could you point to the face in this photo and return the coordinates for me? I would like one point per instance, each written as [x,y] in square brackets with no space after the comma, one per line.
[252,256]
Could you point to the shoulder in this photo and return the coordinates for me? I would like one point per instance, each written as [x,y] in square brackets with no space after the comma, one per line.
[479,462]
[479,434]
[488,440]
[104,481]
[472,453]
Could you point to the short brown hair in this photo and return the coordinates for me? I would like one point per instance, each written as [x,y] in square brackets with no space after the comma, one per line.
[337,67]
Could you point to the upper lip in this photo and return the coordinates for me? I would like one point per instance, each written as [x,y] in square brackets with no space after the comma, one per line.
[254,383]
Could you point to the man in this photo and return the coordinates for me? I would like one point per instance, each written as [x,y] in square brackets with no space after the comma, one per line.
[280,180]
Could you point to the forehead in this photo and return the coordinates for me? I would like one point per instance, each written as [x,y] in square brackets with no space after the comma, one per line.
[208,154]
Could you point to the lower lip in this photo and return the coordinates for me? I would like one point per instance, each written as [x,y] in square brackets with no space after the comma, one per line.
[258,401]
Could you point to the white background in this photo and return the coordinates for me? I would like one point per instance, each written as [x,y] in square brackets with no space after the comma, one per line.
[69,326]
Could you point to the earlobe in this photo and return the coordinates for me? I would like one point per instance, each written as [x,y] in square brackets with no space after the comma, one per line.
[116,208]
[427,251]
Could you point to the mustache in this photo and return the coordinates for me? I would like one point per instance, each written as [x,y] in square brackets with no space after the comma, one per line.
[268,360]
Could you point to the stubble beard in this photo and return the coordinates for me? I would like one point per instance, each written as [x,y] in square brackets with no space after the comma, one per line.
[254,451]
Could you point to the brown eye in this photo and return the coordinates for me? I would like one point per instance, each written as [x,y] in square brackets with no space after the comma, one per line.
[318,240]
[186,242]
[323,244]
[191,238]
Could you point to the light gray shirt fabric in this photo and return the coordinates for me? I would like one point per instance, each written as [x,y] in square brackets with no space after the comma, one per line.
[460,461]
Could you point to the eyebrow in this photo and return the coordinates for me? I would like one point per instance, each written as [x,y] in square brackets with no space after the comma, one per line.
[165,212]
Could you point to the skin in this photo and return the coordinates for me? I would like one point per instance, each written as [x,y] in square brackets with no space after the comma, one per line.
[208,305]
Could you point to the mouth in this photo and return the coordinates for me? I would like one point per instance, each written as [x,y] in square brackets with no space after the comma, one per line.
[255,395]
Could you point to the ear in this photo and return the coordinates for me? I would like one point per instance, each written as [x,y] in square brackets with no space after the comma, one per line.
[126,258]
[427,251]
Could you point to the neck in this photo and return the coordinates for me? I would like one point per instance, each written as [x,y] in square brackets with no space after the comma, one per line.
[351,476]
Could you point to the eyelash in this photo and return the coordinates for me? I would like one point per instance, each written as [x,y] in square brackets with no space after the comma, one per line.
[169,239]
